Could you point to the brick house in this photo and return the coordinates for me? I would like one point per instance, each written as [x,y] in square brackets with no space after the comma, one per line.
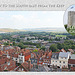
[71,63]
[47,58]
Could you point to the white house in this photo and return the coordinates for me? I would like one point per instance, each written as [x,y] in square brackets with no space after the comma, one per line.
[60,59]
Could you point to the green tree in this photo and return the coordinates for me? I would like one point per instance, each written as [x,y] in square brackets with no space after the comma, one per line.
[6,44]
[59,45]
[43,48]
[21,45]
[53,47]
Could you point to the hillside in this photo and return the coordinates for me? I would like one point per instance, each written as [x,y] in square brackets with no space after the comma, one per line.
[9,30]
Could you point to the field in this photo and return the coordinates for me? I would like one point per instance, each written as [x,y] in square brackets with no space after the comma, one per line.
[60,35]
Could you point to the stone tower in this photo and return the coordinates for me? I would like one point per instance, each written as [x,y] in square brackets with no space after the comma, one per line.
[71,18]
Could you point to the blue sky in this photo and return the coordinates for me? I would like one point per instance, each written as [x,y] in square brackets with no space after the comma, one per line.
[31,19]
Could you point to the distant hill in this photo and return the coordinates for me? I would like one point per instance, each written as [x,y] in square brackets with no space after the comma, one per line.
[46,29]
[9,30]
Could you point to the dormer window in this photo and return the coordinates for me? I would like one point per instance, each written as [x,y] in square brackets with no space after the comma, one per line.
[8,63]
[40,58]
[47,56]
[55,56]
[21,53]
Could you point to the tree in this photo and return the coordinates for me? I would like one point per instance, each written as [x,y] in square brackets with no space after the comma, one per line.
[18,40]
[0,37]
[38,46]
[6,44]
[43,48]
[59,45]
[53,47]
[14,44]
[35,50]
[21,45]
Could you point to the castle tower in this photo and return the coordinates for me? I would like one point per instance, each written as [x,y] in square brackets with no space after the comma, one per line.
[71,18]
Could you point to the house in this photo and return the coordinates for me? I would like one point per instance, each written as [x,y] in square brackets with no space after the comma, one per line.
[6,64]
[26,54]
[5,40]
[39,61]
[26,66]
[21,58]
[55,59]
[71,63]
[44,42]
[70,50]
[63,59]
[34,62]
[47,58]
[15,36]
[1,52]
[60,59]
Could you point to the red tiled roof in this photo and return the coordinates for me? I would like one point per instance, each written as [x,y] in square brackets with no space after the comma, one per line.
[71,50]
[62,50]
[34,55]
[25,65]
[71,61]
[49,54]
[3,59]
[1,52]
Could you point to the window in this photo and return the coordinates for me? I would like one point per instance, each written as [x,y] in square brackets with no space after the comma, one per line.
[40,58]
[47,57]
[55,56]
[5,68]
[39,61]
[19,69]
[63,65]
[60,61]
[35,60]
[61,57]
[8,63]
[32,60]
[73,65]
[21,58]
[22,69]
[63,61]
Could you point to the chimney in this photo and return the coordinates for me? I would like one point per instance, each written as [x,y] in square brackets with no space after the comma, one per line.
[29,64]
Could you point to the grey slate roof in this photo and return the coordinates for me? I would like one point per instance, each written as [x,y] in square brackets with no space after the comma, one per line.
[55,55]
[72,56]
[63,54]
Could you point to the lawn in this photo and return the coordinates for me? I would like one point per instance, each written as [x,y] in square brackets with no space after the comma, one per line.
[60,35]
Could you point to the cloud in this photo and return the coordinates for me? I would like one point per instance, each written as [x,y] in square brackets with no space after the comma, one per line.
[31,19]
[18,17]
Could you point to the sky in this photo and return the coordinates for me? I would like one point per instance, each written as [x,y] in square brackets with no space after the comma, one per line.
[31,19]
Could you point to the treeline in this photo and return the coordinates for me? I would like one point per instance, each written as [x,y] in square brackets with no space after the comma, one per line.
[68,44]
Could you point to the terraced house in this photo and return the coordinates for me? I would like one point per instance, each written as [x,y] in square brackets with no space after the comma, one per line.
[60,59]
